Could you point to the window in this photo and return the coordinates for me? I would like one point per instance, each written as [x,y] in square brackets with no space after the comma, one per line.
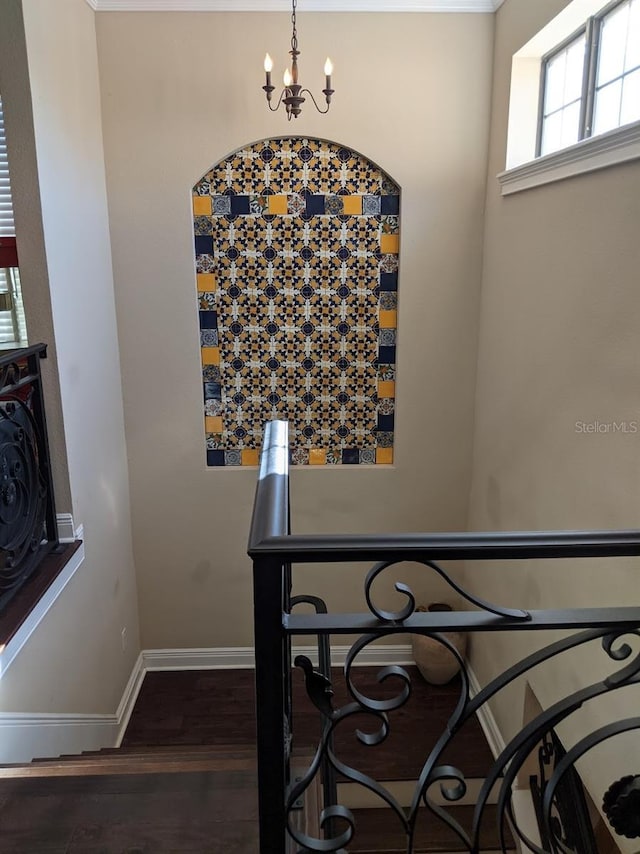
[591,82]
[13,330]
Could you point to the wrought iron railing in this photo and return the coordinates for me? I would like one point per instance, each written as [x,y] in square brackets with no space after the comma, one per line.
[28,530]
[570,820]
[274,550]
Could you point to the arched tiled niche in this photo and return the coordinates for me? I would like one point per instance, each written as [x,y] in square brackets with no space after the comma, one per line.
[296,245]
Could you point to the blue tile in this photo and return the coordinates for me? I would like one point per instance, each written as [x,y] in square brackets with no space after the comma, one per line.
[204,244]
[389,204]
[385,423]
[240,204]
[208,319]
[388,281]
[386,355]
[350,456]
[315,204]
[212,391]
[215,458]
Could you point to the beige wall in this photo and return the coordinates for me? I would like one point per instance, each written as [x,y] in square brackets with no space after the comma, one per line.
[179,92]
[558,344]
[74,661]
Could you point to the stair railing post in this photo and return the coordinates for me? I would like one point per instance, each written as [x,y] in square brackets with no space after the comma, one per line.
[272,669]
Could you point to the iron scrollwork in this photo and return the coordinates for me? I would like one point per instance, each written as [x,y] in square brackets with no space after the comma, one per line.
[451,780]
[26,496]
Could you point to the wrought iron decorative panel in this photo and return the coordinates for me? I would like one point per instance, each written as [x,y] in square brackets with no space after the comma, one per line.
[297,244]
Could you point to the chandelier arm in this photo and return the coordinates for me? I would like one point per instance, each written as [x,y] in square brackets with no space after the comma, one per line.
[315,103]
[277,106]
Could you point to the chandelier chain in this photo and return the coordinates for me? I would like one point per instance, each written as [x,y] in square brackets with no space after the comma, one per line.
[294,33]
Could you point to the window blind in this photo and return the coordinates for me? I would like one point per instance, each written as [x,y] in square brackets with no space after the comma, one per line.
[7,226]
[13,330]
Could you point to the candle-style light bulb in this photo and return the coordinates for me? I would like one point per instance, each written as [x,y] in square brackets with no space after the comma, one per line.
[328,70]
[288,79]
[268,65]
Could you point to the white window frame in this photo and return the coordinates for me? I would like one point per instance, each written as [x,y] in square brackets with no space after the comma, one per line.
[523,169]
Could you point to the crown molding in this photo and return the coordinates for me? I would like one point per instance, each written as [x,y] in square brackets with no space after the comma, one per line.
[284,5]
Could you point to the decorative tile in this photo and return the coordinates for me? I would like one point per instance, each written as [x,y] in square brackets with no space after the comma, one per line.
[333,205]
[388,300]
[233,458]
[208,337]
[202,206]
[389,244]
[352,205]
[299,457]
[384,456]
[387,319]
[389,264]
[385,439]
[206,282]
[371,205]
[296,256]
[386,388]
[250,457]
[221,205]
[387,337]
[213,424]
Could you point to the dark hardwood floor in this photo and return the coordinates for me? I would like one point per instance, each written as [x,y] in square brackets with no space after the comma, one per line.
[217,707]
[184,777]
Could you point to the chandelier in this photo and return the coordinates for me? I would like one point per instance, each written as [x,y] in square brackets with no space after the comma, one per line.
[292,96]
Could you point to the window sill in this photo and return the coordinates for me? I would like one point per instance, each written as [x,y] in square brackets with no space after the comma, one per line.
[617,146]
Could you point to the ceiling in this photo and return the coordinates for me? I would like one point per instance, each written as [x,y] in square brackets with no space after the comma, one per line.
[285,5]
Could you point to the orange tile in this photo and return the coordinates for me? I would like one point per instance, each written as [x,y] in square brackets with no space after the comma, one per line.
[317,457]
[202,205]
[277,204]
[389,244]
[386,388]
[213,424]
[250,457]
[206,282]
[384,456]
[210,355]
[352,205]
[388,319]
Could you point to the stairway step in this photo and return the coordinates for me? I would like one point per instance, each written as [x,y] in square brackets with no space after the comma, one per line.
[355,796]
[149,764]
[378,831]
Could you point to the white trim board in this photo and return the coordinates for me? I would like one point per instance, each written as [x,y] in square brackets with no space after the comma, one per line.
[26,736]
[242,657]
[285,5]
[620,145]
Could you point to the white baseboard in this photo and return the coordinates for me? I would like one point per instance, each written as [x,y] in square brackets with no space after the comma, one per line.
[242,657]
[26,736]
[488,723]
